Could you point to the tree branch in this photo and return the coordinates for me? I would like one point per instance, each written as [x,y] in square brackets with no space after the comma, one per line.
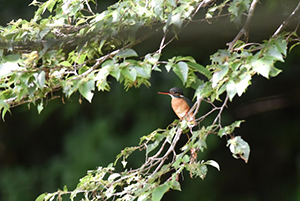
[244,31]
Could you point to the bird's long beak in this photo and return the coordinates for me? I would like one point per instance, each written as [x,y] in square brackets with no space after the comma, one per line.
[164,93]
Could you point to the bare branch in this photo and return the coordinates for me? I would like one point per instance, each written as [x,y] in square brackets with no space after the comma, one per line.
[281,27]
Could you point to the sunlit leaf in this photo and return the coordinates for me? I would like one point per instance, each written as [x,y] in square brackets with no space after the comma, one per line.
[40,107]
[41,79]
[87,89]
[217,76]
[101,77]
[262,66]
[239,148]
[231,89]
[176,20]
[213,163]
[242,85]
[113,176]
[7,68]
[144,197]
[181,70]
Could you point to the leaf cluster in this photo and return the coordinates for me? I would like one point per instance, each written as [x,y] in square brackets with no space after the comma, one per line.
[74,49]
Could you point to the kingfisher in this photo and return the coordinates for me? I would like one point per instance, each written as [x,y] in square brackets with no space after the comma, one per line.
[180,104]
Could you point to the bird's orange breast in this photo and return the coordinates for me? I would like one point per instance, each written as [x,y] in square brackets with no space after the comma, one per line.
[181,108]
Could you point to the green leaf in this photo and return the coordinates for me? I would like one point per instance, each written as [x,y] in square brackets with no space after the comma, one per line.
[116,73]
[159,192]
[151,147]
[176,20]
[239,148]
[262,66]
[185,58]
[143,72]
[87,89]
[44,32]
[41,79]
[175,185]
[40,107]
[231,89]
[41,197]
[65,189]
[152,59]
[181,70]
[101,78]
[49,5]
[217,76]
[81,59]
[201,69]
[7,68]
[237,8]
[126,53]
[65,63]
[113,176]
[242,85]
[129,73]
[212,163]
[11,58]
[144,197]
[170,64]
[274,71]
[204,90]
[201,170]
[281,45]
[274,54]
[5,109]
[230,128]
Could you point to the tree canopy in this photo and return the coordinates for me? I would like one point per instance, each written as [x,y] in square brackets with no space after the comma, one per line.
[68,47]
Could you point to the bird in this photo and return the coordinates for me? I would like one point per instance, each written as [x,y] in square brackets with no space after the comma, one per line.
[180,104]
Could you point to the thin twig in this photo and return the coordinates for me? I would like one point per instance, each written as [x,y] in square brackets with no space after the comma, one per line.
[218,117]
[280,28]
[171,148]
[89,8]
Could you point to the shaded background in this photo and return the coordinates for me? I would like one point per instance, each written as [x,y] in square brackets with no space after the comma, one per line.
[40,153]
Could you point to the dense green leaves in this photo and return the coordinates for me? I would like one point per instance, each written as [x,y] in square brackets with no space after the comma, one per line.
[74,49]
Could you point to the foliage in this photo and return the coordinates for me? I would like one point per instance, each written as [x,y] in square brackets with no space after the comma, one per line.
[68,47]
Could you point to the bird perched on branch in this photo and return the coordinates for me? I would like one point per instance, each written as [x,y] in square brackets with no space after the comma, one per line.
[180,104]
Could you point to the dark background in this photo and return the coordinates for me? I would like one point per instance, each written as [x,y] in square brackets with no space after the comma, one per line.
[40,153]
